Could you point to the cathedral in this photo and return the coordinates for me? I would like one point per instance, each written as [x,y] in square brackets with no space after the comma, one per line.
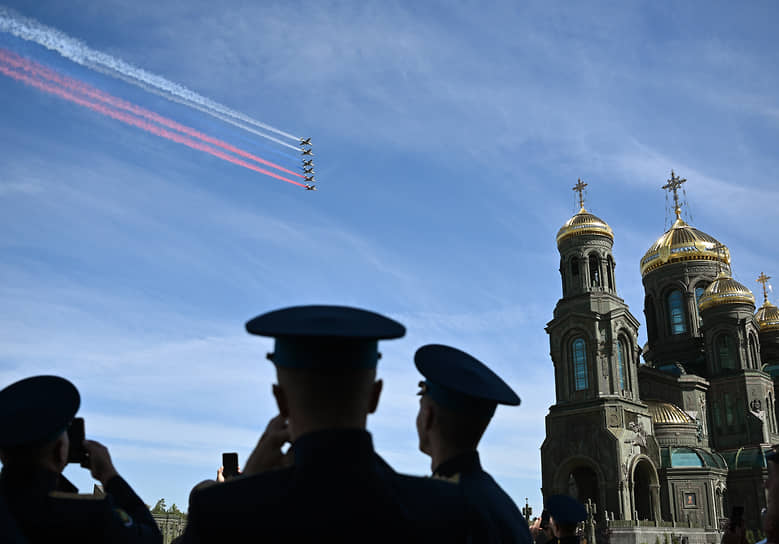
[679,438]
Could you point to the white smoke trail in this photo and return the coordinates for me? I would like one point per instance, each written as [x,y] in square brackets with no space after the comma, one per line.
[77,51]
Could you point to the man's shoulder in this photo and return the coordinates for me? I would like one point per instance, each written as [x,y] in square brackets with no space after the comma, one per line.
[268,484]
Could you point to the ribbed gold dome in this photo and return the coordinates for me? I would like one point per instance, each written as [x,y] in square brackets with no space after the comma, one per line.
[768,317]
[725,290]
[665,413]
[682,243]
[584,223]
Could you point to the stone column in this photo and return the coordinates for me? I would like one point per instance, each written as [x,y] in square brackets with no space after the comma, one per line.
[654,491]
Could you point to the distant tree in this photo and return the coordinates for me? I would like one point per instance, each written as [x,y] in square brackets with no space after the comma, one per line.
[174,510]
[159,508]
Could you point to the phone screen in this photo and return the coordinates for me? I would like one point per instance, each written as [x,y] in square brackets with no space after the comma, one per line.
[76,452]
[230,464]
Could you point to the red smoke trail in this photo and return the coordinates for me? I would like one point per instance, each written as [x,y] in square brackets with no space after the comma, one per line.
[84,88]
[140,123]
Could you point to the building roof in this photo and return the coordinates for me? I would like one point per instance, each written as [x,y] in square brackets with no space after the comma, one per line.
[767,317]
[725,290]
[673,457]
[664,413]
[584,223]
[682,243]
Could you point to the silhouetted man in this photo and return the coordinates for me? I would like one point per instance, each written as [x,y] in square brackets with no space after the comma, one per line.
[35,414]
[336,489]
[565,513]
[458,399]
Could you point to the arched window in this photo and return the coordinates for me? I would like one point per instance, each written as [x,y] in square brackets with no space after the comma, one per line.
[676,318]
[579,358]
[621,360]
[725,351]
[698,292]
[610,272]
[649,313]
[753,351]
[595,271]
[728,410]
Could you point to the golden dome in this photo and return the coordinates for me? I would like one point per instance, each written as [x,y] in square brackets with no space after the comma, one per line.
[768,317]
[725,290]
[682,243]
[584,223]
[665,413]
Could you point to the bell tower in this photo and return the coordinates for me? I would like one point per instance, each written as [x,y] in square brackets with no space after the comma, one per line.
[598,431]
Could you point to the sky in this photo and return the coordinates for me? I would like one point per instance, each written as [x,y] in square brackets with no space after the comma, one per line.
[447,137]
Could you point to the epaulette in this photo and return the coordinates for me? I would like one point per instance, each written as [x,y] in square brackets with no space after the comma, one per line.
[76,496]
[453,479]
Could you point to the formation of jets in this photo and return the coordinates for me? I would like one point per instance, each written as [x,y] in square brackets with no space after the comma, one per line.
[308,164]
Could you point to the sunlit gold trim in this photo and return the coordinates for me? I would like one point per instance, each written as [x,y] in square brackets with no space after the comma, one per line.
[667,413]
[682,243]
[768,317]
[584,223]
[725,290]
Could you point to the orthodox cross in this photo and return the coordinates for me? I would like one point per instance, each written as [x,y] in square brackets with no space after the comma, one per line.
[579,187]
[764,280]
[673,185]
[527,511]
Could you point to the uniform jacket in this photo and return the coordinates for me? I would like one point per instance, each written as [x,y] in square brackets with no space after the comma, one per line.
[505,522]
[338,490]
[47,508]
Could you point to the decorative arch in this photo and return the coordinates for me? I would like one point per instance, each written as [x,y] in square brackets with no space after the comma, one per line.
[651,316]
[624,360]
[610,272]
[645,484]
[725,349]
[578,356]
[587,476]
[754,354]
[595,269]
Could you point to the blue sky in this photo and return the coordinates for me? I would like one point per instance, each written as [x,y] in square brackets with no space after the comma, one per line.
[447,138]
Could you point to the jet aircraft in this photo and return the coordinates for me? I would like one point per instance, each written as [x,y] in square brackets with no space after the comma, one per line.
[308,170]
[310,187]
[309,178]
[307,152]
[306,141]
[309,162]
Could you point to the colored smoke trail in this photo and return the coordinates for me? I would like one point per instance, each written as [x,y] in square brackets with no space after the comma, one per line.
[31,30]
[136,122]
[83,88]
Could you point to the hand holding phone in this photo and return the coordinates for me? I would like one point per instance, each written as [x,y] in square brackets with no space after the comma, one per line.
[76,451]
[230,465]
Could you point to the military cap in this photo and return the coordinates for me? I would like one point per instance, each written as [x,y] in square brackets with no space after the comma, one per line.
[325,337]
[565,509]
[460,382]
[35,410]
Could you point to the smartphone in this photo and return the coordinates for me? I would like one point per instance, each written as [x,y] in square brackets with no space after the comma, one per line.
[76,451]
[230,464]
[737,516]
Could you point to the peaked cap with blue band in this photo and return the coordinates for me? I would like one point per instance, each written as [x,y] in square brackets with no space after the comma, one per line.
[36,410]
[460,382]
[325,337]
[565,509]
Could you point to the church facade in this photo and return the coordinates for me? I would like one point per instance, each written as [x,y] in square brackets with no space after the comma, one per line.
[680,437]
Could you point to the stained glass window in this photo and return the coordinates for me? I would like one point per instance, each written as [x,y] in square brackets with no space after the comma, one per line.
[676,313]
[579,357]
[621,364]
